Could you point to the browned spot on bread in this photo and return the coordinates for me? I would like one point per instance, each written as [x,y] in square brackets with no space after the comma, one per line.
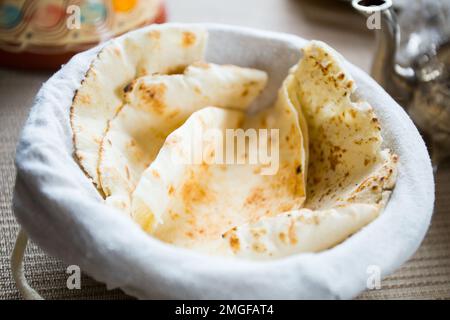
[141,71]
[257,170]
[129,87]
[250,84]
[193,193]
[132,142]
[127,172]
[84,99]
[259,247]
[264,122]
[173,114]
[174,215]
[291,233]
[197,90]
[190,234]
[256,197]
[154,34]
[258,233]
[188,39]
[153,97]
[98,140]
[176,70]
[285,207]
[234,243]
[117,51]
[155,173]
[334,160]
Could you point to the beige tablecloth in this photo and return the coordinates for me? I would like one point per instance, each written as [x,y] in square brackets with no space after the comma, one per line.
[426,275]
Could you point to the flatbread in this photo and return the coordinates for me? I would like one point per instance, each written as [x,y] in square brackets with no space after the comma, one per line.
[345,134]
[158,49]
[298,231]
[135,127]
[308,230]
[350,176]
[154,107]
[193,204]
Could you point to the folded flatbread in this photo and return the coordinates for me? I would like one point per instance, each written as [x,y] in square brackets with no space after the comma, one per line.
[192,203]
[164,49]
[350,176]
[157,105]
[168,139]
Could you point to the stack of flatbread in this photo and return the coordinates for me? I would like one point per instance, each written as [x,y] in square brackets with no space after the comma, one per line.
[320,173]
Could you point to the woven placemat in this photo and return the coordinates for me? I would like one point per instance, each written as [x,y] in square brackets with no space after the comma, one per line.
[425,276]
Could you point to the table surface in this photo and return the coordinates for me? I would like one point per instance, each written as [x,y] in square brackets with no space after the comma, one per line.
[425,275]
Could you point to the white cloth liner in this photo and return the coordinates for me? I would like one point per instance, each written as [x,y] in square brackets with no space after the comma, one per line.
[63,213]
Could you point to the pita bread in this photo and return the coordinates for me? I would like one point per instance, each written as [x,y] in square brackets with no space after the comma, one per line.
[160,49]
[307,230]
[298,231]
[193,204]
[345,135]
[350,176]
[135,128]
[157,105]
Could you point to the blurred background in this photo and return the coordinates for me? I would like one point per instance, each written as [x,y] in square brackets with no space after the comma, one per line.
[40,25]
[404,46]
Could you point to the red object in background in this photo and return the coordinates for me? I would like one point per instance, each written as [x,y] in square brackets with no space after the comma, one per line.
[37,61]
[48,17]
